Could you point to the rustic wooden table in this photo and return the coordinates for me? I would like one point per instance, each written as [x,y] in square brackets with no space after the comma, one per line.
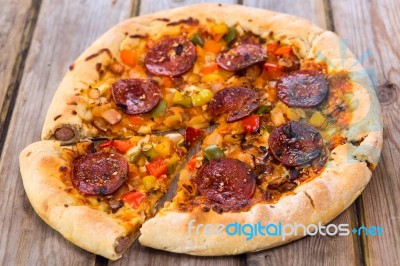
[40,38]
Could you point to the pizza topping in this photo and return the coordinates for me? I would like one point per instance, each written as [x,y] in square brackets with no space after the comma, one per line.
[171,57]
[192,135]
[105,50]
[64,133]
[157,168]
[100,173]
[213,152]
[115,205]
[189,21]
[122,243]
[133,198]
[295,143]
[303,88]
[251,124]
[197,40]
[236,101]
[128,57]
[226,181]
[231,35]
[135,96]
[243,54]
[160,109]
[202,97]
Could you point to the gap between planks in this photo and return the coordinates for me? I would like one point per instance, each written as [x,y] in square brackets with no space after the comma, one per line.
[7,109]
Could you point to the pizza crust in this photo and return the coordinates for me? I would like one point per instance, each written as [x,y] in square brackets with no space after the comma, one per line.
[319,200]
[366,126]
[87,228]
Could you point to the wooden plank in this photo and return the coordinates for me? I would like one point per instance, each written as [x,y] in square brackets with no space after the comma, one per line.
[64,29]
[373,26]
[311,10]
[17,20]
[148,6]
[146,256]
[311,250]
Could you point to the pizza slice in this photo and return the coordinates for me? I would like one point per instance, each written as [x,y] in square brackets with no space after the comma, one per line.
[98,195]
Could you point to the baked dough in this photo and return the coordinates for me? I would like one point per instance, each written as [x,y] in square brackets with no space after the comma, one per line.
[90,229]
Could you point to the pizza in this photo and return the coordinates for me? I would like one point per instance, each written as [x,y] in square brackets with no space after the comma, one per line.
[293,119]
[98,194]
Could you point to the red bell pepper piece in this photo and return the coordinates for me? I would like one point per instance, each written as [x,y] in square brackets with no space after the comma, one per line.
[158,167]
[192,163]
[273,70]
[284,51]
[133,198]
[251,123]
[105,144]
[122,146]
[192,135]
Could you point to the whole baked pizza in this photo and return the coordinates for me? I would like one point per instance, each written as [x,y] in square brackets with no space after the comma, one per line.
[293,120]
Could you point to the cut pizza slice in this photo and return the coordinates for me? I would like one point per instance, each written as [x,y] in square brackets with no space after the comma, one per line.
[98,195]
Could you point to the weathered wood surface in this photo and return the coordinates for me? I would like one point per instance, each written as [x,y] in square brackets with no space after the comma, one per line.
[17,20]
[63,30]
[52,31]
[371,28]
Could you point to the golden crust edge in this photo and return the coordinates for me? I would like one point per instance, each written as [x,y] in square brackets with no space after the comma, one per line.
[78,224]
[366,126]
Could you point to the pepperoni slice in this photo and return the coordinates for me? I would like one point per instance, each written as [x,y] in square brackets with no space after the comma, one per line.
[295,143]
[241,55]
[136,96]
[100,173]
[237,102]
[303,88]
[171,57]
[226,181]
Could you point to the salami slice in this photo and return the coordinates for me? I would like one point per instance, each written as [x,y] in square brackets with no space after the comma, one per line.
[238,102]
[241,55]
[64,133]
[171,57]
[136,96]
[100,173]
[295,143]
[303,88]
[226,181]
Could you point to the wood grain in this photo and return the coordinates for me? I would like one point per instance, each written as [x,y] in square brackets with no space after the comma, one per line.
[311,10]
[311,250]
[17,20]
[148,6]
[372,26]
[64,29]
